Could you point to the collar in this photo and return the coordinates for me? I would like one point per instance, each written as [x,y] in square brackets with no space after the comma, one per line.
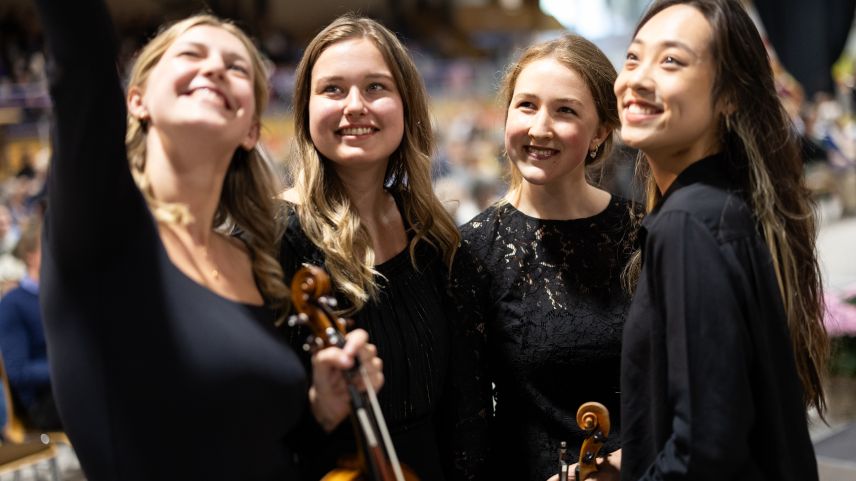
[30,285]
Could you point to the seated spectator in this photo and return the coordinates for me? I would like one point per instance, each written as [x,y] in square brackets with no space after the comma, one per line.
[22,339]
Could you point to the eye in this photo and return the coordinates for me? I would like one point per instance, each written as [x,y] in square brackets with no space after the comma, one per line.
[240,68]
[376,87]
[567,110]
[331,89]
[189,53]
[672,60]
[526,105]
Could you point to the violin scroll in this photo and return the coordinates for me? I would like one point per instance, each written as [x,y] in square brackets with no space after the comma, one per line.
[593,418]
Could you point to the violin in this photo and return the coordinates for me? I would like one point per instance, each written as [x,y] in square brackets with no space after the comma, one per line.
[376,457]
[593,418]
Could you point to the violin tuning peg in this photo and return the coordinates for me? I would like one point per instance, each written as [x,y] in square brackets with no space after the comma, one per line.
[331,301]
[292,320]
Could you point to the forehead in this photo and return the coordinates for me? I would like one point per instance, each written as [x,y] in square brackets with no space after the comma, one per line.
[212,37]
[678,23]
[549,77]
[356,56]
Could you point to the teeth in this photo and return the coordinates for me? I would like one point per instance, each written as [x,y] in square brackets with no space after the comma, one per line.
[641,109]
[356,131]
[209,94]
[540,152]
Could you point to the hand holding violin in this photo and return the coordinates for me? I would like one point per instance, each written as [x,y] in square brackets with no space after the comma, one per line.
[328,396]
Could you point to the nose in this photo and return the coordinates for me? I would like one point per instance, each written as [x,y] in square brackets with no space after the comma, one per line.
[541,126]
[354,103]
[638,79]
[214,65]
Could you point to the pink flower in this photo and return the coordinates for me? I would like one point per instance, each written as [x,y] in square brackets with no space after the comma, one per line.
[840,316]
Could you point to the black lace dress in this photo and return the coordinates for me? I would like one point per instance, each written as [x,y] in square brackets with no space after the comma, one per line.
[428,398]
[544,297]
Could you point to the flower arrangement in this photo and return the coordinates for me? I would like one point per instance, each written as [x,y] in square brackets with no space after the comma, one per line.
[840,321]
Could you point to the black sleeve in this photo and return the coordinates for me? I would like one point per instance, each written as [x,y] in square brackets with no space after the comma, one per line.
[708,352]
[92,199]
[468,400]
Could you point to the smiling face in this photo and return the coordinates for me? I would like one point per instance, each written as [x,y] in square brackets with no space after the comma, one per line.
[356,115]
[204,79]
[552,123]
[665,88]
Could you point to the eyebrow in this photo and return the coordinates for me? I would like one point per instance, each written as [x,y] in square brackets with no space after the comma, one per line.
[669,44]
[567,100]
[231,54]
[339,78]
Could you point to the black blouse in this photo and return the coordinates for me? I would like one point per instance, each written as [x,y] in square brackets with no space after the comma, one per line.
[429,373]
[546,298]
[709,384]
[155,376]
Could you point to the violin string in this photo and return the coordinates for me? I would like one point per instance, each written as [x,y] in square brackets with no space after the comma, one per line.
[381,423]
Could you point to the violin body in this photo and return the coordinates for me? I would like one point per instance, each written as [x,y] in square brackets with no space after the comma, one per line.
[376,459]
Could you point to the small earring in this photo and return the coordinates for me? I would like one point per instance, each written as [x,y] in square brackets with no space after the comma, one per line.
[593,152]
[728,123]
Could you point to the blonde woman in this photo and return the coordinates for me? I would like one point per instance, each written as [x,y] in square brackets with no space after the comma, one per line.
[363,207]
[724,348]
[165,358]
[539,274]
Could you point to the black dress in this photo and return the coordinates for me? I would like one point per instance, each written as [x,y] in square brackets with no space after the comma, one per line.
[155,376]
[546,298]
[427,399]
[709,383]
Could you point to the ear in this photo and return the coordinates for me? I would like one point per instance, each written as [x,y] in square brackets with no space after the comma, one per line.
[135,103]
[600,135]
[252,137]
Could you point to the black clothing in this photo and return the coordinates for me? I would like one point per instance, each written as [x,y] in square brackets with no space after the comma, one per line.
[427,370]
[547,295]
[709,383]
[155,376]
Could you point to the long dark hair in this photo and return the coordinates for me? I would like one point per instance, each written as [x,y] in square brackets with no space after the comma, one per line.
[761,148]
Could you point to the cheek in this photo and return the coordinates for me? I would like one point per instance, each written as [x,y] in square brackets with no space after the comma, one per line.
[515,129]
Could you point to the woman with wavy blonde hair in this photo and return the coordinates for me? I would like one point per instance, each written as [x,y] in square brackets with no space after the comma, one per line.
[160,297]
[364,208]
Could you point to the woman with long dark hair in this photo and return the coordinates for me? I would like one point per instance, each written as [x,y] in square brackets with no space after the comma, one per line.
[724,348]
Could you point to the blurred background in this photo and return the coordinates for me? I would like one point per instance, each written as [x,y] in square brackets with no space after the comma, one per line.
[461,48]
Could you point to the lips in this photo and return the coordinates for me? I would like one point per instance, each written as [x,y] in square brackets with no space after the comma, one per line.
[211,93]
[356,130]
[539,153]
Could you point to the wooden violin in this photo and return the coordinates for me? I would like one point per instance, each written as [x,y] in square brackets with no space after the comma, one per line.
[593,418]
[376,457]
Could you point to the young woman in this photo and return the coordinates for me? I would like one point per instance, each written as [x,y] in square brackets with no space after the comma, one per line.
[363,207]
[539,274]
[165,359]
[724,348]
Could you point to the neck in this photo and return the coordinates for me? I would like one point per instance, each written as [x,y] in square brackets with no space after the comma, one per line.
[364,187]
[667,165]
[572,199]
[191,175]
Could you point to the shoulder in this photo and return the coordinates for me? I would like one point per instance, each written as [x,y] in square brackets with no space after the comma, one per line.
[723,213]
[483,223]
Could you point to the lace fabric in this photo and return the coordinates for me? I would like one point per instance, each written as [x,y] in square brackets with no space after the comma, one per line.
[543,300]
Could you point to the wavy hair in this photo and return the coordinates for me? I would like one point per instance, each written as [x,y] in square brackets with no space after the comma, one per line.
[763,154]
[248,199]
[327,216]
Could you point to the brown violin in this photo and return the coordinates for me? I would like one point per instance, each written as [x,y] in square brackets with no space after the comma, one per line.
[593,418]
[376,459]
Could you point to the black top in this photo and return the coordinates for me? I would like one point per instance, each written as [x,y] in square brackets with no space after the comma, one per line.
[427,398]
[709,383]
[547,294]
[155,376]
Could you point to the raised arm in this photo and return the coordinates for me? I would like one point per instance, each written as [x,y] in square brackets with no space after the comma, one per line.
[91,195]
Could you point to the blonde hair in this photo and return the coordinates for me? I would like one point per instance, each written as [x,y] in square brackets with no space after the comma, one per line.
[326,214]
[589,62]
[247,201]
[763,154]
